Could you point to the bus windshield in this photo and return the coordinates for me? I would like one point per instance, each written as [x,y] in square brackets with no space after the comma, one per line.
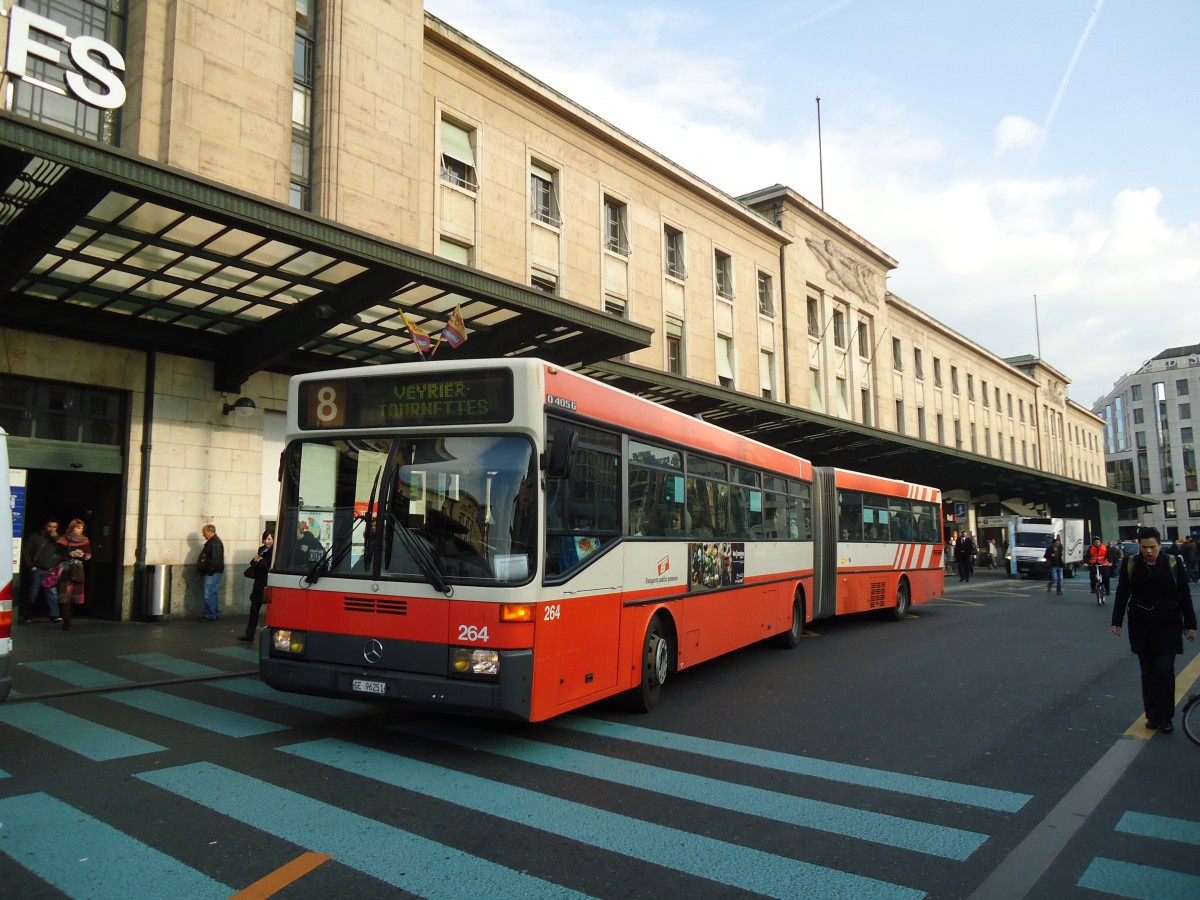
[435,509]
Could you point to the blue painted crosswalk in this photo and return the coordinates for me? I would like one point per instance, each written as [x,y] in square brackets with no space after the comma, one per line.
[740,867]
[414,863]
[968,795]
[201,715]
[1121,878]
[76,674]
[84,857]
[920,837]
[399,858]
[74,733]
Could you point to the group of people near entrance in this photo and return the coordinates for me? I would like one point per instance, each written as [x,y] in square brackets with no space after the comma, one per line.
[54,565]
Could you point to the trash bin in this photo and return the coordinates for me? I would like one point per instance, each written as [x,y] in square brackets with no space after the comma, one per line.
[157,597]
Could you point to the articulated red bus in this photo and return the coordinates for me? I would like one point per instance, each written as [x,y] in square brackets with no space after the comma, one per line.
[506,537]
[8,604]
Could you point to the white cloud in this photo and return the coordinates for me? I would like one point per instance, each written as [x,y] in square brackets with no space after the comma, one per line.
[1016,133]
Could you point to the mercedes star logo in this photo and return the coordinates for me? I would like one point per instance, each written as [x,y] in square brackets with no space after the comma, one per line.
[373,651]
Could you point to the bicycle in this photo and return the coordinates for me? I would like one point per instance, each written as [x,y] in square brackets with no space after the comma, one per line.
[1191,718]
[1098,581]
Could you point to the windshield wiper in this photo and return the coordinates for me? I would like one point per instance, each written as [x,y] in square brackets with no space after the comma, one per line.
[421,555]
[347,541]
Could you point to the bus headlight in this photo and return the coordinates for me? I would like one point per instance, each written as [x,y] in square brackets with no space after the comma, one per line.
[285,640]
[474,661]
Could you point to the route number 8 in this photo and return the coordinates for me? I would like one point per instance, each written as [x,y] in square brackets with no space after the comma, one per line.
[327,409]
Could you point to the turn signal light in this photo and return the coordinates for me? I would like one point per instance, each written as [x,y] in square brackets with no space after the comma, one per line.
[516,612]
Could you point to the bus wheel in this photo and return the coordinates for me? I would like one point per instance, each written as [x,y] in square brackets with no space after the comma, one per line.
[903,601]
[656,662]
[790,638]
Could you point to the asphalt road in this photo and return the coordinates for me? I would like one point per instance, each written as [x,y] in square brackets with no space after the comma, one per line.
[977,749]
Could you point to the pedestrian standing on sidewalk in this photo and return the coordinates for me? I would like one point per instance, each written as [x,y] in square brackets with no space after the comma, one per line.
[258,569]
[211,566]
[76,550]
[1054,563]
[1154,587]
[964,556]
[41,561]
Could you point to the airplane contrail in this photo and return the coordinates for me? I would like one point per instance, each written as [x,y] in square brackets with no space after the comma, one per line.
[1062,87]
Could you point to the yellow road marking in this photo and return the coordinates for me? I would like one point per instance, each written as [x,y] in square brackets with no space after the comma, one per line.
[1183,686]
[283,876]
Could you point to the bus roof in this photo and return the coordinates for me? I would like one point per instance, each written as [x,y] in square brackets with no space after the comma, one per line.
[890,486]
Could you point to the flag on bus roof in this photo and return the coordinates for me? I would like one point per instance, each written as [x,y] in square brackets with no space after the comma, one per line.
[418,335]
[455,330]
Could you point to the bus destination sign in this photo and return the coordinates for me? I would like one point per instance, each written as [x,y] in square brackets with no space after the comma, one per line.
[475,397]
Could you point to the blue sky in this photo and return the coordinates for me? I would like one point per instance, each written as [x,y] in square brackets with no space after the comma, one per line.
[997,150]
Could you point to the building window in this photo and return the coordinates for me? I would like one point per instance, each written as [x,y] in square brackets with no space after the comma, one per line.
[814,318]
[458,157]
[1010,415]
[918,364]
[987,441]
[766,294]
[543,194]
[843,398]
[899,417]
[454,251]
[616,226]
[954,379]
[1181,387]
[970,387]
[864,339]
[921,424]
[56,411]
[866,406]
[897,355]
[941,429]
[937,372]
[983,390]
[103,19]
[1021,408]
[725,361]
[1139,416]
[1169,509]
[1135,392]
[1185,410]
[614,306]
[544,281]
[814,390]
[974,439]
[674,346]
[304,82]
[839,329]
[724,266]
[1193,507]
[766,373]
[958,444]
[673,252]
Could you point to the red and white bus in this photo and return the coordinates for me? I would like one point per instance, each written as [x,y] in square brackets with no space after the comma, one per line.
[507,537]
[8,606]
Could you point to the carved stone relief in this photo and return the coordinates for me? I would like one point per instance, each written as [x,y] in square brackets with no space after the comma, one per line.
[845,271]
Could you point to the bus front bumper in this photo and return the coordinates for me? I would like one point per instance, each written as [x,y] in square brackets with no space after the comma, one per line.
[507,697]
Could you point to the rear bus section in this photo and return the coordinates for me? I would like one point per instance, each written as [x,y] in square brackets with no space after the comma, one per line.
[878,544]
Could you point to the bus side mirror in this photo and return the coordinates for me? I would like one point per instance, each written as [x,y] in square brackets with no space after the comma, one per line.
[562,448]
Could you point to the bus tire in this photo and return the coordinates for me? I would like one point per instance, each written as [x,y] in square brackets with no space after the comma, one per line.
[903,601]
[790,638]
[655,664]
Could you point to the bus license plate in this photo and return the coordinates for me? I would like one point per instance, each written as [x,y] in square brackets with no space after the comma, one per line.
[369,687]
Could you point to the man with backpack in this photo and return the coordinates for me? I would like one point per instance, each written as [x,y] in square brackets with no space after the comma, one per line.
[1154,588]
